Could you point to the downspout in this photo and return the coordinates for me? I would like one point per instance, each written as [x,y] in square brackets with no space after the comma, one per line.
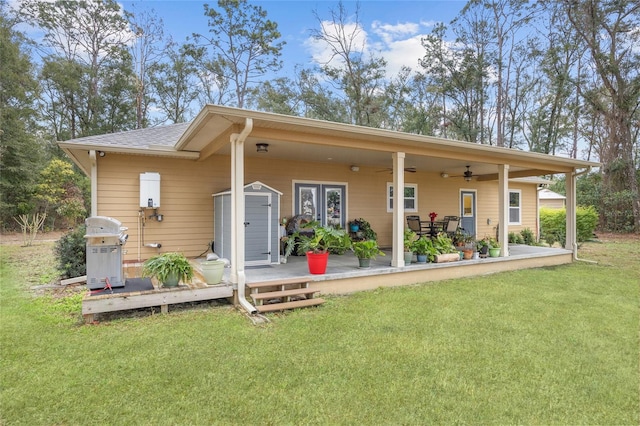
[574,243]
[238,253]
[94,182]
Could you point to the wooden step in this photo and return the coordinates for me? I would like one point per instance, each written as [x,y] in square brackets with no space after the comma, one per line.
[289,305]
[283,293]
[275,283]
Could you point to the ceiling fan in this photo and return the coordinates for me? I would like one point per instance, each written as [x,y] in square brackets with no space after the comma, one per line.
[467,175]
[411,169]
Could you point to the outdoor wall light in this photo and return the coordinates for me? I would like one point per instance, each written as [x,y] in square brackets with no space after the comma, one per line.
[355,168]
[262,147]
[102,153]
[444,175]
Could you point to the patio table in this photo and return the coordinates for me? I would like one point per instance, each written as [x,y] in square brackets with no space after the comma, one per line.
[434,227]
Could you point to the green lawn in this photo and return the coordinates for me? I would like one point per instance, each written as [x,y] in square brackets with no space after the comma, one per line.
[545,346]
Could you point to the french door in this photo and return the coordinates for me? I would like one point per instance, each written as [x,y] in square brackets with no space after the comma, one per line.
[324,202]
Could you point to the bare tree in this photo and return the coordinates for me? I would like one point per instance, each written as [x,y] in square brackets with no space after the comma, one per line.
[148,30]
[355,73]
[243,47]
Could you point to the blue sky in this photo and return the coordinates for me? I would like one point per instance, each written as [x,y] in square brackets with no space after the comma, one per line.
[392,28]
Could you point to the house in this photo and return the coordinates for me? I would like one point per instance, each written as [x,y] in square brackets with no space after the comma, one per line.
[551,199]
[332,171]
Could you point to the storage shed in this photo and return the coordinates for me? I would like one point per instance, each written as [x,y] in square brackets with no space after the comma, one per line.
[262,227]
[551,199]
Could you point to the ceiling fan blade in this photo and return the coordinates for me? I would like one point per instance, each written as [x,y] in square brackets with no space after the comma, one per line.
[406,169]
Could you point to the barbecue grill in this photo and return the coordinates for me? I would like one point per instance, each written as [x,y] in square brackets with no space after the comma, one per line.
[105,237]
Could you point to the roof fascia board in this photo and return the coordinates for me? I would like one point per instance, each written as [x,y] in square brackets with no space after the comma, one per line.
[152,151]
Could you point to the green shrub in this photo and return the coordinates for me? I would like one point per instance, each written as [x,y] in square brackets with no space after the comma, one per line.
[70,251]
[553,224]
[528,237]
[586,222]
[515,238]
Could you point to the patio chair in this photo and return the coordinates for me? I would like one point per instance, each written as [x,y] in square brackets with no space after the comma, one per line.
[452,226]
[446,219]
[416,225]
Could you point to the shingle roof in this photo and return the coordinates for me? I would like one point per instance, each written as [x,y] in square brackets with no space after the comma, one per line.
[547,194]
[164,136]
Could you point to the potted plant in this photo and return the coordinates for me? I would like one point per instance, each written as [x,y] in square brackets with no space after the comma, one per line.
[424,250]
[318,245]
[468,249]
[168,268]
[445,249]
[494,248]
[365,251]
[409,238]
[361,229]
[458,238]
[482,246]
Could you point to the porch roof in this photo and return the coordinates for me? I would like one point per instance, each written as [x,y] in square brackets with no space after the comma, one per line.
[302,139]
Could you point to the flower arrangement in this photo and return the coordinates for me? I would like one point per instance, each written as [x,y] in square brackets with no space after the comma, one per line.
[433,216]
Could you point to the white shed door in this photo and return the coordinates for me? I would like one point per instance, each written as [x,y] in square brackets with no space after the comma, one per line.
[257,232]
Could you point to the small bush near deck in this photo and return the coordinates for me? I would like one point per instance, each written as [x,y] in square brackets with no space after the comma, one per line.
[70,251]
[527,237]
[515,238]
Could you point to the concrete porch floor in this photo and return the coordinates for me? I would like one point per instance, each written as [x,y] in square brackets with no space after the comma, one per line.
[345,268]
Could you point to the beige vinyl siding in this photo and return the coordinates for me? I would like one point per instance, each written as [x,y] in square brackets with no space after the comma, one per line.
[187,186]
[186,189]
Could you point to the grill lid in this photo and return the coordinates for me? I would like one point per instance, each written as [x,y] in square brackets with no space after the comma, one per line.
[103,226]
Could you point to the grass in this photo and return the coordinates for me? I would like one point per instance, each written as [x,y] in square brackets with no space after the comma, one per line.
[546,346]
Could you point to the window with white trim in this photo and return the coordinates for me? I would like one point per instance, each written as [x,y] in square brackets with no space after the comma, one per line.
[515,200]
[410,197]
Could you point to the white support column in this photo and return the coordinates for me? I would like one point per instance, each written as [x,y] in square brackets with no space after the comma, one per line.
[503,208]
[397,252]
[570,221]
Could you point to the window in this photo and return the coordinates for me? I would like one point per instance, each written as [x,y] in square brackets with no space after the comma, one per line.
[410,197]
[514,207]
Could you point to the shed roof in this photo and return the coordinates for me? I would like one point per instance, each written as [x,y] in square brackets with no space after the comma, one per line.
[547,194]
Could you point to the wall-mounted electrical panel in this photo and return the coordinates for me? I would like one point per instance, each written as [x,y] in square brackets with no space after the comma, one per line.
[150,190]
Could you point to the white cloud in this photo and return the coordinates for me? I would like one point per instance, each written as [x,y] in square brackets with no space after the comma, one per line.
[320,50]
[390,32]
[399,44]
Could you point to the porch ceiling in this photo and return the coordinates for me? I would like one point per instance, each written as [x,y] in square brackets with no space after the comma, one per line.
[301,139]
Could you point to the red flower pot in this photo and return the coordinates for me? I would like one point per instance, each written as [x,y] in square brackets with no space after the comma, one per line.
[317,262]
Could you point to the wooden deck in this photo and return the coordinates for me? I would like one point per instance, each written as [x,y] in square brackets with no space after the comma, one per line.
[343,276]
[196,290]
